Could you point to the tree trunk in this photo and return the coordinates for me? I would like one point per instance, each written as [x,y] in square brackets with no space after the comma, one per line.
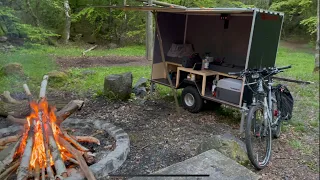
[33,15]
[316,67]
[150,37]
[66,34]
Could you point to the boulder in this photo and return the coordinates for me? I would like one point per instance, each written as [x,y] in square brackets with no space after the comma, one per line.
[57,76]
[3,38]
[227,145]
[139,88]
[118,86]
[12,69]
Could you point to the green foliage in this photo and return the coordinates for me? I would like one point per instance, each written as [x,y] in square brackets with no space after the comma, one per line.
[299,16]
[11,25]
[311,24]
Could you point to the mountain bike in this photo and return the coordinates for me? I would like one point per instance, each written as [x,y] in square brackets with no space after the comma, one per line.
[265,114]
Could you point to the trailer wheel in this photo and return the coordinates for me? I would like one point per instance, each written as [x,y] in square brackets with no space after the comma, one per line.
[191,99]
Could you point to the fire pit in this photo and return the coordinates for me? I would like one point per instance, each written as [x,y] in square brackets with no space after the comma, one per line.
[47,150]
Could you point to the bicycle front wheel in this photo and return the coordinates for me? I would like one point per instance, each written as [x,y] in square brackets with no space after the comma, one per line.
[258,137]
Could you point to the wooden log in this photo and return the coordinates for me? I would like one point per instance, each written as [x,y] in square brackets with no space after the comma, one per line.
[89,139]
[17,110]
[21,121]
[37,172]
[9,170]
[73,161]
[9,139]
[3,147]
[43,87]
[70,108]
[7,155]
[10,130]
[46,147]
[61,169]
[43,175]
[7,98]
[89,157]
[74,142]
[83,165]
[90,49]
[23,170]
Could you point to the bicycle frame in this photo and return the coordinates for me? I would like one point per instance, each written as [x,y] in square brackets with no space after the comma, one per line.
[267,102]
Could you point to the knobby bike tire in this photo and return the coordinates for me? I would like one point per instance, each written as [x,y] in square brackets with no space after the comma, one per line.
[248,140]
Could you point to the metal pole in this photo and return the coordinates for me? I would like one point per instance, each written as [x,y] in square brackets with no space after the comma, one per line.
[150,38]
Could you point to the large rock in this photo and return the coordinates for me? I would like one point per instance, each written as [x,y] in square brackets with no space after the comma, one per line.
[118,86]
[57,76]
[139,89]
[3,38]
[227,145]
[112,46]
[12,69]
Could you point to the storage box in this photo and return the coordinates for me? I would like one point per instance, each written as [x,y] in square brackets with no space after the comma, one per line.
[229,90]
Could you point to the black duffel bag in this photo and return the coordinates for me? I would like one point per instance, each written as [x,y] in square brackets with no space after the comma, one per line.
[188,62]
[284,101]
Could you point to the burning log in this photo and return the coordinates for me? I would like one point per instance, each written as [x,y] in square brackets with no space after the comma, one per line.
[23,171]
[58,163]
[83,165]
[9,139]
[37,172]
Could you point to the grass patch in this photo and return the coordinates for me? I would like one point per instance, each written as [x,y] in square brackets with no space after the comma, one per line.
[295,144]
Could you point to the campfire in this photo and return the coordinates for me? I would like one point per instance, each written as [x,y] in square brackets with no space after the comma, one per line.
[44,150]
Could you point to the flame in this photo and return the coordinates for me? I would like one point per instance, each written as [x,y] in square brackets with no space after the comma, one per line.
[45,123]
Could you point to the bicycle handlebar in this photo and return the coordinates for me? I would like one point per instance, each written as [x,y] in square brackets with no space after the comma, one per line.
[285,67]
[248,72]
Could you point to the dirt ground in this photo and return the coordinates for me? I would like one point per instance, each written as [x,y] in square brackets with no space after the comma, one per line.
[84,62]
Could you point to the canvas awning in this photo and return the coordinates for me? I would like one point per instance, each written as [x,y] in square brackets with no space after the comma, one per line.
[191,10]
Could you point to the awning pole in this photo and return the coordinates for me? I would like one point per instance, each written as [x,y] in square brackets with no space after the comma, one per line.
[185,29]
[165,67]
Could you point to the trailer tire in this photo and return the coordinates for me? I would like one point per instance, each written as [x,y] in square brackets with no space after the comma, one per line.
[191,99]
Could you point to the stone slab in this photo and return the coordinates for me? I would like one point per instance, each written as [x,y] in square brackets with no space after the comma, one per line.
[211,162]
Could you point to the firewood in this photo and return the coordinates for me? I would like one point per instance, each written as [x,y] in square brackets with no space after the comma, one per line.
[8,154]
[37,172]
[23,171]
[70,108]
[9,139]
[3,147]
[43,175]
[7,98]
[17,110]
[61,169]
[74,142]
[83,165]
[16,120]
[46,146]
[89,139]
[73,161]
[9,170]
[89,157]
[10,130]
[92,48]
[43,86]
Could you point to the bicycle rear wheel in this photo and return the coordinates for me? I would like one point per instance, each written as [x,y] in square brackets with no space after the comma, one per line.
[258,137]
